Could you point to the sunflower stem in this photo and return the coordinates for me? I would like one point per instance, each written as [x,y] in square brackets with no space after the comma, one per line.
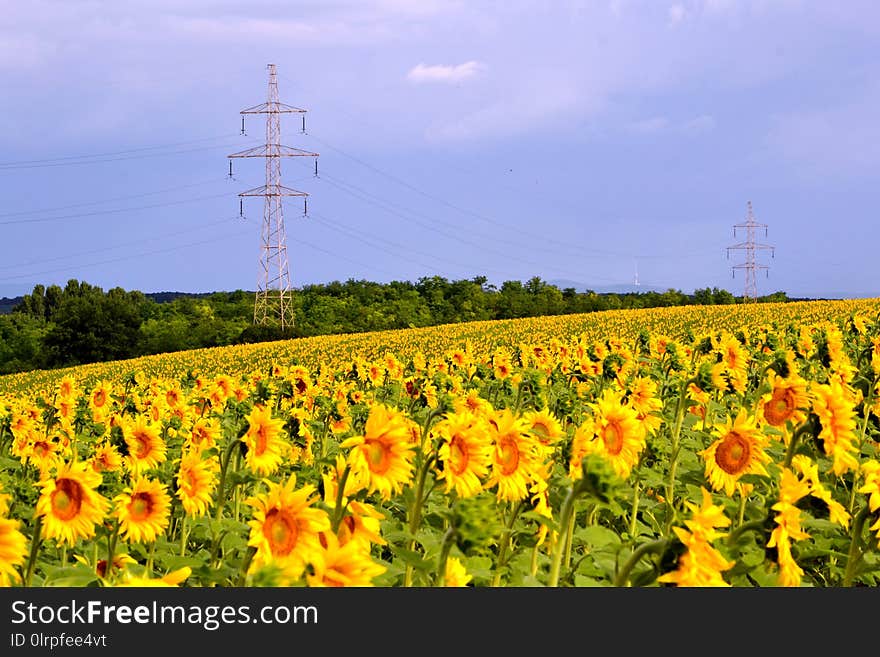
[505,543]
[148,570]
[184,534]
[635,507]
[655,547]
[224,466]
[569,536]
[855,556]
[673,452]
[448,541]
[742,506]
[338,509]
[753,526]
[415,518]
[35,547]
[807,425]
[111,549]
[246,564]
[565,514]
[867,412]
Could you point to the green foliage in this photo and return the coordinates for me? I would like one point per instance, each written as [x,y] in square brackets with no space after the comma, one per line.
[81,323]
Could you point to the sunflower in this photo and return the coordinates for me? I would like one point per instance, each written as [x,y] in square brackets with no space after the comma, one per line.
[465,453]
[203,434]
[285,527]
[832,404]
[516,458]
[701,564]
[809,471]
[44,453]
[618,433]
[738,451]
[643,398]
[787,400]
[196,481]
[871,487]
[146,449]
[362,523]
[100,400]
[544,426]
[67,387]
[383,455]
[474,403]
[788,526]
[456,574]
[143,510]
[105,458]
[13,546]
[70,504]
[343,565]
[265,446]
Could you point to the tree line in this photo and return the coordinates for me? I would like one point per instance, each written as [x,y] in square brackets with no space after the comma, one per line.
[81,323]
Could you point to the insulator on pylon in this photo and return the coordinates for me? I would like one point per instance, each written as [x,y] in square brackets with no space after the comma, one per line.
[242,125]
[316,168]
[241,208]
[305,207]
[230,168]
[304,124]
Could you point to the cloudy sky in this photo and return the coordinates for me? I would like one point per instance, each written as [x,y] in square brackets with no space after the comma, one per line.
[594,142]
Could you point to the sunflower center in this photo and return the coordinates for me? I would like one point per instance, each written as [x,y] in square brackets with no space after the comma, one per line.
[541,431]
[41,448]
[262,440]
[378,457]
[66,499]
[781,406]
[99,398]
[733,454]
[612,436]
[458,455]
[281,531]
[141,506]
[508,456]
[190,483]
[142,445]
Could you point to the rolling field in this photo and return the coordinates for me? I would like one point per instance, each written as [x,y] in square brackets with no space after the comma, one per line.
[692,446]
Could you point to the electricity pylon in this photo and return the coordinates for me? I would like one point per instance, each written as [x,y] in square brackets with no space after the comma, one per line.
[750,246]
[273,302]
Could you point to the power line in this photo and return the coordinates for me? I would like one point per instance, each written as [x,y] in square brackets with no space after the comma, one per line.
[116,246]
[126,258]
[23,163]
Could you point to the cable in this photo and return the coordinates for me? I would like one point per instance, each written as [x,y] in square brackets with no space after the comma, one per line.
[125,258]
[114,211]
[116,246]
[111,199]
[131,150]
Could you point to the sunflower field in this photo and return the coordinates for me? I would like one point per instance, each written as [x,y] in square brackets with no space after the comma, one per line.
[688,446]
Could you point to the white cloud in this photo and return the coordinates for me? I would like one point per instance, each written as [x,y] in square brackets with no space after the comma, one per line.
[443,73]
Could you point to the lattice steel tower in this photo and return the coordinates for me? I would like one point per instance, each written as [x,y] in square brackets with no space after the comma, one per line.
[273,303]
[750,246]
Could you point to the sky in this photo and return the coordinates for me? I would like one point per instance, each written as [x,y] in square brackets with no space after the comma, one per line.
[593,144]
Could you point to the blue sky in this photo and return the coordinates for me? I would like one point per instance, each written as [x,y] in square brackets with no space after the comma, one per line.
[580,141]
